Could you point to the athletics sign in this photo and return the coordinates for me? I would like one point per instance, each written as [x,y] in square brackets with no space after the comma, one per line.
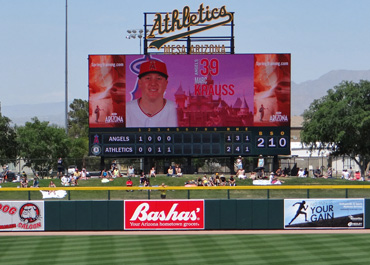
[178,27]
[164,215]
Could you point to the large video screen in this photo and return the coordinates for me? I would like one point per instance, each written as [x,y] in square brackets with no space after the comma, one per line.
[139,104]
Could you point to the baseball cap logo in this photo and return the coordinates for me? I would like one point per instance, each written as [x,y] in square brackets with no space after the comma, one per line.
[152,66]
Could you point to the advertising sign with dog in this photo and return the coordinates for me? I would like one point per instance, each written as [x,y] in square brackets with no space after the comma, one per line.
[22,216]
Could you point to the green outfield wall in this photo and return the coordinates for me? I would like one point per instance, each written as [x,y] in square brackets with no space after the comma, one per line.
[233,214]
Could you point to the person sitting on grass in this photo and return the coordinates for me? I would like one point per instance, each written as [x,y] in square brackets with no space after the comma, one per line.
[152,172]
[146,182]
[178,171]
[170,172]
[52,185]
[317,173]
[35,181]
[103,173]
[24,182]
[223,180]
[240,174]
[232,181]
[129,184]
[64,181]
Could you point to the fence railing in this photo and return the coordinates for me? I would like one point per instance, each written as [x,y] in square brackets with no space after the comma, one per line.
[228,190]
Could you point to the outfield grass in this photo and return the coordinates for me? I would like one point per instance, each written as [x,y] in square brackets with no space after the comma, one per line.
[194,194]
[310,249]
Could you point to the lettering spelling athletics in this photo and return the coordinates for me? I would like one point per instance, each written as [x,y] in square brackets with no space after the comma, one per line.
[169,24]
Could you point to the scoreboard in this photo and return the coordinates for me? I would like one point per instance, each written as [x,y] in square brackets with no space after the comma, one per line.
[193,142]
[225,105]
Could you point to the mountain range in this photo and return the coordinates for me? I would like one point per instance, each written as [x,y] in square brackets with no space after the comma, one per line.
[302,95]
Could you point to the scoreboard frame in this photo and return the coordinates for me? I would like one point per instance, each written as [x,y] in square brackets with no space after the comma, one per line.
[230,137]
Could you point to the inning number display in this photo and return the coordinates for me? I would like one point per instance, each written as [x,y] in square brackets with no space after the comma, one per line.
[251,141]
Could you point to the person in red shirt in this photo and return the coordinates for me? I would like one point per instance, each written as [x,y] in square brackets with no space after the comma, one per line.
[129,184]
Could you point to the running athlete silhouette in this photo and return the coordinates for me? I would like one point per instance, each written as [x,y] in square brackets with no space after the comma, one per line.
[300,211]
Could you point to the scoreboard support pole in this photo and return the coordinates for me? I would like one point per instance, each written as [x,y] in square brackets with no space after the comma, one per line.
[231,165]
[275,163]
[102,163]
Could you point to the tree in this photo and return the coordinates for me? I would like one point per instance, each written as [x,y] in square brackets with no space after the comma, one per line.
[78,131]
[78,118]
[8,142]
[340,122]
[41,144]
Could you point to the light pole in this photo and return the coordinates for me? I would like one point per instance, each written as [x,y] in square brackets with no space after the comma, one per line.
[135,33]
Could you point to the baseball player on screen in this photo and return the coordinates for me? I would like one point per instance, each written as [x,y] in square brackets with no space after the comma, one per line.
[152,109]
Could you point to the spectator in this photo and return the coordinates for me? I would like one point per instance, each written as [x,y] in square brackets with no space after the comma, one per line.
[239,163]
[152,173]
[350,172]
[211,181]
[23,175]
[205,181]
[113,165]
[35,181]
[72,180]
[24,182]
[52,185]
[279,173]
[60,168]
[232,181]
[223,180]
[163,192]
[357,175]
[317,172]
[240,174]
[83,174]
[170,172]
[178,171]
[115,173]
[64,181]
[103,173]
[261,162]
[345,174]
[129,184]
[131,172]
[146,182]
[217,180]
[76,175]
[199,182]
[142,178]
[306,173]
[301,173]
[329,172]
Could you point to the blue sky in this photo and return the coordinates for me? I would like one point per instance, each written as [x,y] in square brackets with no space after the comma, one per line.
[321,35]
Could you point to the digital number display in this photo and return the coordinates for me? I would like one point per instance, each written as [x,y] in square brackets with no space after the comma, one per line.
[253,141]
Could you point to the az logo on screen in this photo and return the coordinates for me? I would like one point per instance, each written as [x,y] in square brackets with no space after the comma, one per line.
[171,22]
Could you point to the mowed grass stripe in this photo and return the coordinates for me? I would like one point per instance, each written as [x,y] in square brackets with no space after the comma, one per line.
[187,249]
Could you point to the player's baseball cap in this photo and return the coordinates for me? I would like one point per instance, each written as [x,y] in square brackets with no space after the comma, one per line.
[153,66]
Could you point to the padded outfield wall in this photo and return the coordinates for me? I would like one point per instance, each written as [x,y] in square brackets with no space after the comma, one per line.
[218,215]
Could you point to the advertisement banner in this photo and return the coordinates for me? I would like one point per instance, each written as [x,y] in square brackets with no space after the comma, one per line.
[163,214]
[22,216]
[156,91]
[324,213]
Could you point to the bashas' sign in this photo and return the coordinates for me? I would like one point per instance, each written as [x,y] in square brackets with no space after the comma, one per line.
[172,22]
[164,215]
